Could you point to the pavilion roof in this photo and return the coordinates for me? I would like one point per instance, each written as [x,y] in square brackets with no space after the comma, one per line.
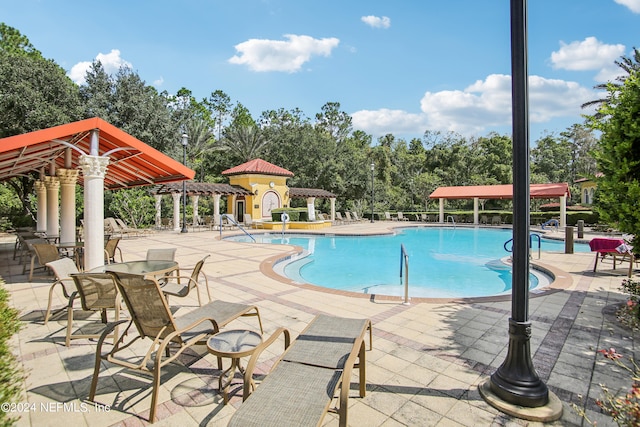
[132,162]
[297,193]
[502,191]
[201,188]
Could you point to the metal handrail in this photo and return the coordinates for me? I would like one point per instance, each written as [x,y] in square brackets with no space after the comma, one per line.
[404,256]
[234,222]
[453,220]
[531,236]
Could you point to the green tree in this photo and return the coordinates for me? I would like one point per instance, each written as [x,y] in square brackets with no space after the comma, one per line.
[135,205]
[35,93]
[618,157]
[628,65]
[127,102]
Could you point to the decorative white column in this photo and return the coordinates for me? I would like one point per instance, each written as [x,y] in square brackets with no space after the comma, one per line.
[333,209]
[158,198]
[216,205]
[311,208]
[441,210]
[176,211]
[563,211]
[68,179]
[94,169]
[53,215]
[194,203]
[41,196]
[475,210]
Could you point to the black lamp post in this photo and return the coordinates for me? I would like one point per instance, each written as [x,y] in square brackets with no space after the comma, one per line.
[516,380]
[185,139]
[373,166]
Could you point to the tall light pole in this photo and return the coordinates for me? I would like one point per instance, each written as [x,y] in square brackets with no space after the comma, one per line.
[373,166]
[185,139]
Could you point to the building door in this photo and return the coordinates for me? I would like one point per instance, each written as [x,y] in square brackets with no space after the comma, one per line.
[240,210]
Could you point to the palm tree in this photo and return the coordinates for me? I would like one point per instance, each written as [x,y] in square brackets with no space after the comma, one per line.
[628,65]
[247,141]
[201,140]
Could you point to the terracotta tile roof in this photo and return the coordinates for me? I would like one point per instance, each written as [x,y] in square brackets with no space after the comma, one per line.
[504,191]
[257,166]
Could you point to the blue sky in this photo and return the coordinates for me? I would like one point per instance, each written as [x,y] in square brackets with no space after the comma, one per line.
[397,66]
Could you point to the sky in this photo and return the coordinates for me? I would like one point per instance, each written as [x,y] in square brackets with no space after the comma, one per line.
[396,66]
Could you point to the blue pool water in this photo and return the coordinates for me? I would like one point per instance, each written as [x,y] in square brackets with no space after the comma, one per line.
[443,262]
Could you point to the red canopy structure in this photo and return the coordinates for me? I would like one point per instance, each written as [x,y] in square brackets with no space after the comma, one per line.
[131,161]
[504,191]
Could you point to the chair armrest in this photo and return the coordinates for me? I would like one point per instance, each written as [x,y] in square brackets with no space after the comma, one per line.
[248,373]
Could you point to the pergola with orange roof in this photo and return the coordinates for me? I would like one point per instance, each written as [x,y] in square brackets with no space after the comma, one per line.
[502,191]
[106,156]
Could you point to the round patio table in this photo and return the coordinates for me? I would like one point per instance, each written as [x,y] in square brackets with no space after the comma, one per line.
[142,267]
[234,343]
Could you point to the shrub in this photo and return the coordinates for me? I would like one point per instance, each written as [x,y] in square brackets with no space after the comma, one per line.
[11,376]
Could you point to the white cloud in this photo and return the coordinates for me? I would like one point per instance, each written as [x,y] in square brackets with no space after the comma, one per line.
[633,5]
[589,54]
[278,55]
[482,106]
[111,62]
[159,81]
[376,21]
[384,121]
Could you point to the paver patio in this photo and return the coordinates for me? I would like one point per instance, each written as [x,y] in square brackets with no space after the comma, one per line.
[427,361]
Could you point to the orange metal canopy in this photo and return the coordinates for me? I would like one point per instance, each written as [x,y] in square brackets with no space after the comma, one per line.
[134,164]
[504,191]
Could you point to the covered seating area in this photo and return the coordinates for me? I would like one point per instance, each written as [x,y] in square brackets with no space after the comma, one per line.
[104,156]
[504,191]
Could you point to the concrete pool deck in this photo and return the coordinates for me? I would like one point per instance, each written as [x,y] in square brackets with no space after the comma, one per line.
[427,362]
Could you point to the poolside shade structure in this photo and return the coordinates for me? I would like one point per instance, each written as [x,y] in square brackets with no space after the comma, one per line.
[503,191]
[516,381]
[107,157]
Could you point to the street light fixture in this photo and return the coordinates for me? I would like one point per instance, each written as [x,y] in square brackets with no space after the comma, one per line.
[373,166]
[185,139]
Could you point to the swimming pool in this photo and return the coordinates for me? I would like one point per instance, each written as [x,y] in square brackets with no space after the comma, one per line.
[443,262]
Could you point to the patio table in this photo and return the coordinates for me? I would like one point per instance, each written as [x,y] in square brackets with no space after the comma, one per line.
[142,267]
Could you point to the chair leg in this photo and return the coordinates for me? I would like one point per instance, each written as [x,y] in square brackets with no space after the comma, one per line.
[48,312]
[69,323]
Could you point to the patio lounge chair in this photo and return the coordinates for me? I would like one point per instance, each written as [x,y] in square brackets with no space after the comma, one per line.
[44,253]
[97,292]
[180,286]
[249,222]
[401,217]
[301,386]
[152,318]
[62,269]
[388,217]
[110,250]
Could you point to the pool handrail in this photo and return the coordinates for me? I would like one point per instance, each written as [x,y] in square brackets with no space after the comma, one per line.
[404,256]
[234,222]
[531,236]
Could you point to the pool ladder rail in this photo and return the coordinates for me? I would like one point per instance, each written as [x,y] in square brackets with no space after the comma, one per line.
[453,220]
[532,237]
[404,261]
[234,222]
